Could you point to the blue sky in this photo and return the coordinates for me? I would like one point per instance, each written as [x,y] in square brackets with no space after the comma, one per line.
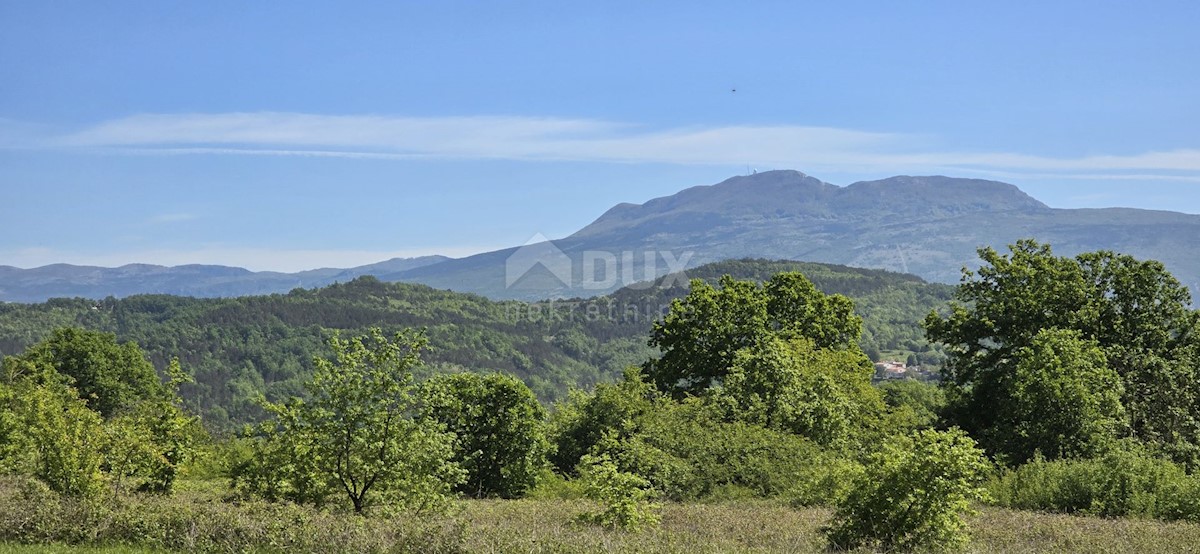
[295,135]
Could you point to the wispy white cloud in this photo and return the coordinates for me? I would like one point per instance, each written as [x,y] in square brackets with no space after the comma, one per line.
[540,138]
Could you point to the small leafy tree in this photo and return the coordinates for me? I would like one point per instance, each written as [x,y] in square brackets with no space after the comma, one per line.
[151,439]
[499,429]
[627,499]
[580,423]
[357,433]
[913,495]
[85,411]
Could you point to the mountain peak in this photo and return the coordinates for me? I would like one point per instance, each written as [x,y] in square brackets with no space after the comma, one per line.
[743,195]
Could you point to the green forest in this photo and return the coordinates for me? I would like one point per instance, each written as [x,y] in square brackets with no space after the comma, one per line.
[740,412]
[238,348]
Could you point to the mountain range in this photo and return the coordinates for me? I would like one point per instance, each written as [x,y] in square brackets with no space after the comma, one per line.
[927,226]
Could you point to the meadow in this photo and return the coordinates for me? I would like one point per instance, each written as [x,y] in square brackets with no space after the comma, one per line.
[197,519]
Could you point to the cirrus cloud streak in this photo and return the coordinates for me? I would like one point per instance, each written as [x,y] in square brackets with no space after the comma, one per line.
[586,140]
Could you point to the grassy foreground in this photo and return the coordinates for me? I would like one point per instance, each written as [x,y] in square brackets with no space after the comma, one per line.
[197,520]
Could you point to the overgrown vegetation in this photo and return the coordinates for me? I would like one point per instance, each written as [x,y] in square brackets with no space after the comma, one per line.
[498,427]
[1077,378]
[913,495]
[85,413]
[196,520]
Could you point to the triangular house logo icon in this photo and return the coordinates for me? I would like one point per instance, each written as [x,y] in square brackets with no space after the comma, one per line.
[538,250]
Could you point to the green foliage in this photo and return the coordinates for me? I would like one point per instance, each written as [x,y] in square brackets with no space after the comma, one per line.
[690,450]
[913,404]
[59,434]
[797,309]
[1066,402]
[1133,311]
[826,481]
[702,332]
[1122,482]
[913,495]
[152,439]
[578,424]
[500,437]
[555,486]
[106,374]
[238,349]
[794,386]
[701,335]
[50,434]
[627,499]
[356,435]
[890,304]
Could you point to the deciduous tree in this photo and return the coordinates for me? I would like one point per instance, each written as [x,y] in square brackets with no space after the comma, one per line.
[357,433]
[1134,311]
[703,332]
[499,429]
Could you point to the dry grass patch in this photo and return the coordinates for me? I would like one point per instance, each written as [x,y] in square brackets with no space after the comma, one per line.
[197,520]
[1010,531]
[547,526]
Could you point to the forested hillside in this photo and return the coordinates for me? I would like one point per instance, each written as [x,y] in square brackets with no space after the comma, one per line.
[237,348]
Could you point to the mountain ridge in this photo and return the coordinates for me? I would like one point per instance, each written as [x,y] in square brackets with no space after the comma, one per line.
[931,226]
[928,225]
[61,280]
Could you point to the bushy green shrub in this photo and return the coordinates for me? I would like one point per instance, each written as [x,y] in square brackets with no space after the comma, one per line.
[1122,482]
[690,450]
[826,482]
[913,404]
[579,423]
[498,426]
[824,395]
[913,495]
[626,499]
[73,415]
[50,434]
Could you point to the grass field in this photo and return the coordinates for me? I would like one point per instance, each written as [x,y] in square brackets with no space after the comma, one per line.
[197,520]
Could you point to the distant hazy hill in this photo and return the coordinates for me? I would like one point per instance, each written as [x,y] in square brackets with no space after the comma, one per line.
[237,348]
[205,281]
[928,226]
